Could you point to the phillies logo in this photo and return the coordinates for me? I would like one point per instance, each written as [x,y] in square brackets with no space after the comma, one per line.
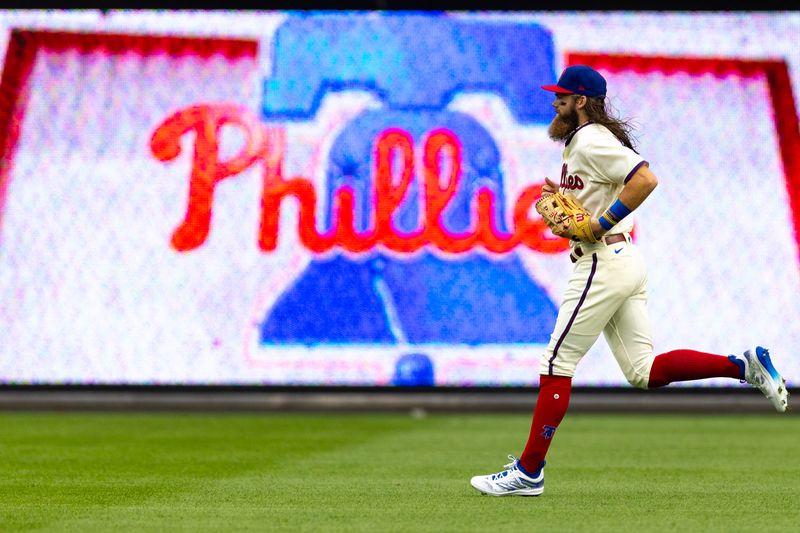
[410,175]
[548,432]
[412,188]
[267,145]
[570,182]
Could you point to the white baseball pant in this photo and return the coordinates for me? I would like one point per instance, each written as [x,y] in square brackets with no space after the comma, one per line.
[607,293]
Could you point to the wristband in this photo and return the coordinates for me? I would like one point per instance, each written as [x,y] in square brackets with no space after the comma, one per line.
[613,215]
[604,222]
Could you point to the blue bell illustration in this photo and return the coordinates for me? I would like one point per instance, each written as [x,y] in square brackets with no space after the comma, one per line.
[415,64]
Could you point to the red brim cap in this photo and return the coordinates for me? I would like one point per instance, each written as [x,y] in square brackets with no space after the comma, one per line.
[556,89]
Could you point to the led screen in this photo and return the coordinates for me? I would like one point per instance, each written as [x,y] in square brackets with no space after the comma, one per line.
[345,198]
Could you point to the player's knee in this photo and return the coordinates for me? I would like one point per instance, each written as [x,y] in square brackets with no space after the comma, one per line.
[639,378]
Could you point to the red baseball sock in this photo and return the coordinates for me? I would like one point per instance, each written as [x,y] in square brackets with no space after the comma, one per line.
[551,406]
[687,365]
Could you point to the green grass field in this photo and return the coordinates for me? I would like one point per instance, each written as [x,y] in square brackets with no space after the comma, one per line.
[393,472]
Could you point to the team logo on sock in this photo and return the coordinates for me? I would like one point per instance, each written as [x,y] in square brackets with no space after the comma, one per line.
[548,432]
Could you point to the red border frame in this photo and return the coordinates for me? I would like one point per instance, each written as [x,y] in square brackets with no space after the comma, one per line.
[25,44]
[776,73]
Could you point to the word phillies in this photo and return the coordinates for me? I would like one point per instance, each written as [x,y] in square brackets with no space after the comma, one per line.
[569,181]
[267,146]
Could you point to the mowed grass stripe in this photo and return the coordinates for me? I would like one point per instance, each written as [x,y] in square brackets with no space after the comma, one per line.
[274,472]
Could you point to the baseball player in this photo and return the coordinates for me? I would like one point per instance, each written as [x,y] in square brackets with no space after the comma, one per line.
[607,292]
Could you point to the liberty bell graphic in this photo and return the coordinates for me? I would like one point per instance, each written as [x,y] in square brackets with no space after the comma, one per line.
[415,64]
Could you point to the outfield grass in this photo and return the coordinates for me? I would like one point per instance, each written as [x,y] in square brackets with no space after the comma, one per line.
[281,472]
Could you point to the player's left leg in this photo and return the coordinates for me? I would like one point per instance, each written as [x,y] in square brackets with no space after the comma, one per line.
[690,365]
[628,335]
[754,367]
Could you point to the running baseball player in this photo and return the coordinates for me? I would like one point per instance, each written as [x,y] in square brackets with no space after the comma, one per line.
[603,179]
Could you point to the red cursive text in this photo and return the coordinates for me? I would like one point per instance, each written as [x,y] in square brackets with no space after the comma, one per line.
[267,146]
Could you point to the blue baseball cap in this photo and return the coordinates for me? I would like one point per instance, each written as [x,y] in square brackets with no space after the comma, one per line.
[579,79]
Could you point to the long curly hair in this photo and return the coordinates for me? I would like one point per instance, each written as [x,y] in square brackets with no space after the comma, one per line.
[598,113]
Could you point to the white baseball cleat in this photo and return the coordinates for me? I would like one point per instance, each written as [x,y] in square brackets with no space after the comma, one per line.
[510,482]
[760,373]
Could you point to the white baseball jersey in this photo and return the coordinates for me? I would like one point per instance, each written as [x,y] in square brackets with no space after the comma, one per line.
[596,167]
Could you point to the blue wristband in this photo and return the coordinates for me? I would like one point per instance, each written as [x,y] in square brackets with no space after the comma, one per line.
[607,225]
[618,210]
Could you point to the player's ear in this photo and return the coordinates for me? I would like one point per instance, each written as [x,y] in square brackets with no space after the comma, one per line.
[580,101]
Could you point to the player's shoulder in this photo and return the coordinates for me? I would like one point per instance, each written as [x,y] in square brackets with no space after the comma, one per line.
[594,133]
[596,137]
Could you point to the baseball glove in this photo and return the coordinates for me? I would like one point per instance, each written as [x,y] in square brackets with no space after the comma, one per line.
[565,216]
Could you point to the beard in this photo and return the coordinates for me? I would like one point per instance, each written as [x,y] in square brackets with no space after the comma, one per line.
[561,127]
